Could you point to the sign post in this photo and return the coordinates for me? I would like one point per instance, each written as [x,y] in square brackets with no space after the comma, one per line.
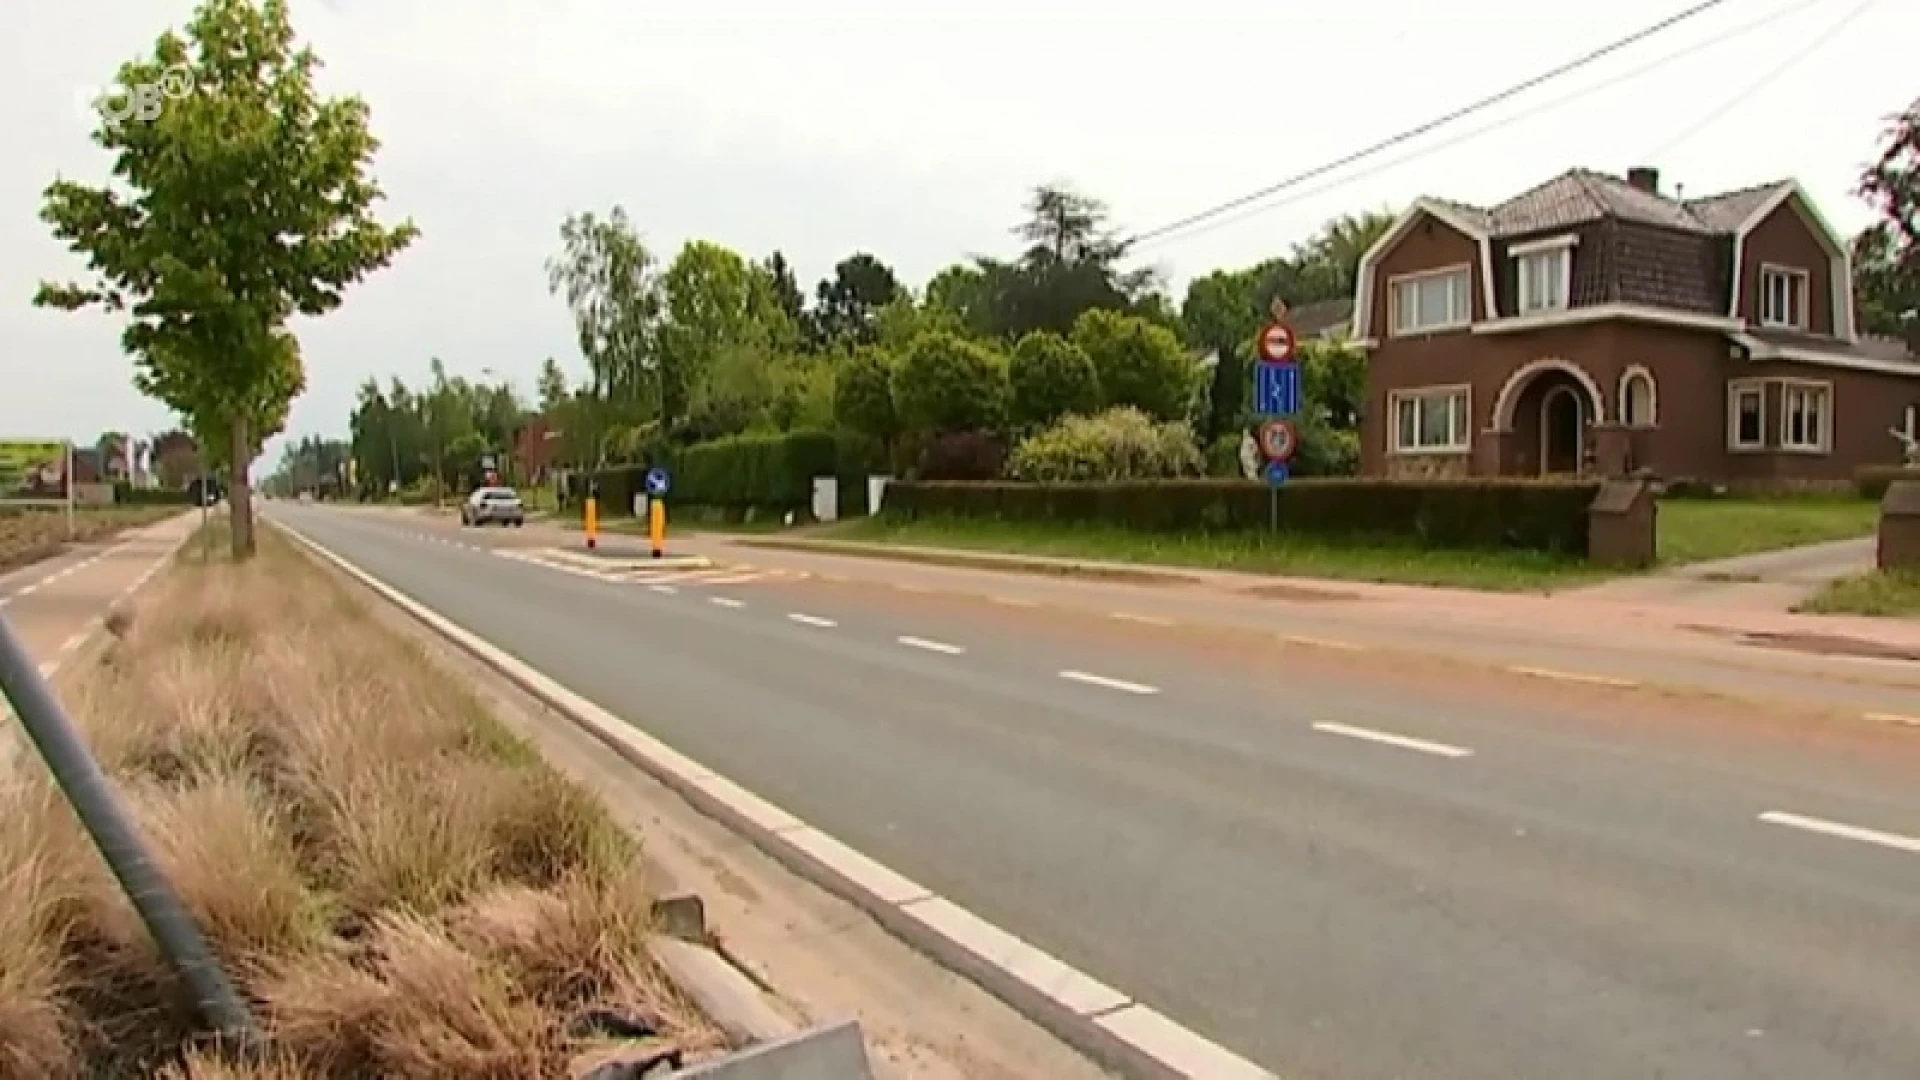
[1276,400]
[591,520]
[658,483]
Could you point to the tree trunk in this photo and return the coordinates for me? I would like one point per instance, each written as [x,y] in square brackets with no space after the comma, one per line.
[240,489]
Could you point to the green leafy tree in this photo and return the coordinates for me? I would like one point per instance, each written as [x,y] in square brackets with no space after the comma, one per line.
[1886,254]
[1138,363]
[236,207]
[846,306]
[609,281]
[863,396]
[961,297]
[1333,380]
[946,383]
[715,303]
[1050,377]
[551,386]
[785,288]
[1221,313]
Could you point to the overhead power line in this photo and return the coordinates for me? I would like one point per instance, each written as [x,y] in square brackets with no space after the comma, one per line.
[1695,49]
[1765,80]
[1464,111]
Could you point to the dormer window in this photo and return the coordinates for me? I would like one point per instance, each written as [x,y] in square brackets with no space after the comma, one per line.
[1544,272]
[1783,297]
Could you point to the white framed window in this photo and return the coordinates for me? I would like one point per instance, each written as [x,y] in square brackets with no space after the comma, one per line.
[1805,415]
[1783,297]
[1746,415]
[1543,272]
[1639,402]
[1430,420]
[1435,300]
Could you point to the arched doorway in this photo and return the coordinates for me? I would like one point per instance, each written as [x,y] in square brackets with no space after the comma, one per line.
[1545,411]
[1563,425]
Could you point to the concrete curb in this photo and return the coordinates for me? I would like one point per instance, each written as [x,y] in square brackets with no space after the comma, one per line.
[1111,1028]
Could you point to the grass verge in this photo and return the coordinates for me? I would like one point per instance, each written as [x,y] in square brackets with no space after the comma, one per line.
[1691,530]
[28,535]
[402,887]
[1878,592]
[1263,553]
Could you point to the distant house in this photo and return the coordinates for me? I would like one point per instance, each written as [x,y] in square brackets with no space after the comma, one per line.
[1597,323]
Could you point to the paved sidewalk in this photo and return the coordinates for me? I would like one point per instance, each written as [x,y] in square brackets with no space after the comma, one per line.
[1769,581]
[53,606]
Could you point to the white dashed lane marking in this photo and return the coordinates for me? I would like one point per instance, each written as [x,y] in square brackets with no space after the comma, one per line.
[929,645]
[812,620]
[1106,683]
[1897,842]
[1388,738]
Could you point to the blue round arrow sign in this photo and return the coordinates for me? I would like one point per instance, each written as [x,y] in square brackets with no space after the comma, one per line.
[657,481]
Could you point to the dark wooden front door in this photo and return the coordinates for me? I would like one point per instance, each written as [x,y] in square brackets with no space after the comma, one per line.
[1561,424]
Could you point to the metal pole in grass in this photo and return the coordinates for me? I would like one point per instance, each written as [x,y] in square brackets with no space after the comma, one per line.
[106,820]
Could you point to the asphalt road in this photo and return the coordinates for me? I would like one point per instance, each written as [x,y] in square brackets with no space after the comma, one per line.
[1336,870]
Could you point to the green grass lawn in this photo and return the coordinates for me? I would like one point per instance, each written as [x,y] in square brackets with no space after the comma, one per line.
[1690,531]
[1695,530]
[1878,592]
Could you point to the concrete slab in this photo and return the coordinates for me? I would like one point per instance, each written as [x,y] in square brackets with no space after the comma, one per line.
[828,1052]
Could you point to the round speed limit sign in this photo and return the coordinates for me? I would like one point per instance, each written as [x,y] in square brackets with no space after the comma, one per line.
[1278,440]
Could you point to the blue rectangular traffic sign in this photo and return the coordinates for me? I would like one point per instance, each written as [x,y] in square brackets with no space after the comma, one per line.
[1277,473]
[1276,389]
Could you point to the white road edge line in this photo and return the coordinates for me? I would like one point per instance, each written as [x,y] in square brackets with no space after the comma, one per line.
[1100,1012]
[1121,685]
[812,620]
[725,601]
[1388,738]
[1897,842]
[940,647]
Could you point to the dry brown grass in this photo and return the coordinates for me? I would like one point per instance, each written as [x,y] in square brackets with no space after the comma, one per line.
[402,887]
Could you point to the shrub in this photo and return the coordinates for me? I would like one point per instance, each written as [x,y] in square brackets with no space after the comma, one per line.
[1050,377]
[961,456]
[863,395]
[1534,515]
[1872,481]
[1119,444]
[1223,457]
[946,383]
[1137,363]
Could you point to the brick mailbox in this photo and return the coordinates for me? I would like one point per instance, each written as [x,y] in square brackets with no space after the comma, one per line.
[1621,525]
[1899,539]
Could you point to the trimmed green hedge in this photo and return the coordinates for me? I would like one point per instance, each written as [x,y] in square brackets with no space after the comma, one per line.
[127,495]
[1532,515]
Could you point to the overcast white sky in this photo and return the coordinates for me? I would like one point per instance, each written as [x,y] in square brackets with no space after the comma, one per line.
[912,129]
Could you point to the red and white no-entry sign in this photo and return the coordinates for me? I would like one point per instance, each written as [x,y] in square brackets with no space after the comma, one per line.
[1276,344]
[1278,440]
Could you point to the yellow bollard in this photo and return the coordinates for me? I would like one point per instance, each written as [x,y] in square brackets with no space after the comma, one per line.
[657,525]
[593,521]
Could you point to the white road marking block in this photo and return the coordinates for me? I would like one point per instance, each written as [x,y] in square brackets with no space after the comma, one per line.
[1388,738]
[930,645]
[1121,685]
[812,620]
[1897,842]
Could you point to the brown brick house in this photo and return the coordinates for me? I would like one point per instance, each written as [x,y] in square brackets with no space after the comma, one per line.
[1595,323]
